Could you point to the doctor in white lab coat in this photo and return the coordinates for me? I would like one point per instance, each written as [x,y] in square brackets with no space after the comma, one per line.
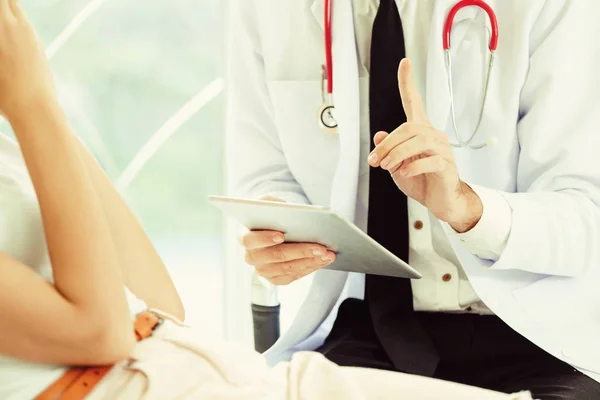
[522,244]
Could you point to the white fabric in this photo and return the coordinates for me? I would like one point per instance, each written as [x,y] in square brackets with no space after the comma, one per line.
[22,237]
[542,103]
[181,363]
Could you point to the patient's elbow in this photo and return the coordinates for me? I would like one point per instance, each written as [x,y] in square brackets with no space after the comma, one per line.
[107,343]
[115,345]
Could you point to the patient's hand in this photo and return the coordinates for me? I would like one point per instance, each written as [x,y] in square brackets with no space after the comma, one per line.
[25,77]
[279,262]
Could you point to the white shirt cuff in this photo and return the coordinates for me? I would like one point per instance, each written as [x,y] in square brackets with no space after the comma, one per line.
[488,238]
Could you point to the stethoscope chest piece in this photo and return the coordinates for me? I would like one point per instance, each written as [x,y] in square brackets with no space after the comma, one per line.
[327,119]
[327,116]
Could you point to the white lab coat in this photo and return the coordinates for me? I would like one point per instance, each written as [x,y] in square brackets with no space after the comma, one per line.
[543,106]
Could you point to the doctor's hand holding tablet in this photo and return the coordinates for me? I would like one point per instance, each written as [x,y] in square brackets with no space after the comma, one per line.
[279,262]
[418,157]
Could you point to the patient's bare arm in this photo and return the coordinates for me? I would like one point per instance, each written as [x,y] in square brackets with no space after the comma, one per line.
[84,317]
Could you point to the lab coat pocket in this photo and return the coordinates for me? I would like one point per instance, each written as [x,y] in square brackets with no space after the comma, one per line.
[311,154]
[566,309]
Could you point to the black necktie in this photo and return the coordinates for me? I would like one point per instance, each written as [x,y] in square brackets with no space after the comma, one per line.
[390,299]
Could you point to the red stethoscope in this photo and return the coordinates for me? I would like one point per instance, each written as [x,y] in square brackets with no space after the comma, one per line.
[327,117]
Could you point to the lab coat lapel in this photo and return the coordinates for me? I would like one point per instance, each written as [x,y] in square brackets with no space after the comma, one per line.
[346,98]
[318,8]
[437,92]
[328,285]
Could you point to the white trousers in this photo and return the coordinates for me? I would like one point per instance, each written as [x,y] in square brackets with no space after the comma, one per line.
[182,363]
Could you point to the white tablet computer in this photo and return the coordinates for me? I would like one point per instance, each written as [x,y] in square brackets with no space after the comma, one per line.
[356,251]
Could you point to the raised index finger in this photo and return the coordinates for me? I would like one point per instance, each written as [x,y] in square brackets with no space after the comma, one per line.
[411,100]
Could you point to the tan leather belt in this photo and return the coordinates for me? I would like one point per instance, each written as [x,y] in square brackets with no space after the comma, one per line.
[78,382]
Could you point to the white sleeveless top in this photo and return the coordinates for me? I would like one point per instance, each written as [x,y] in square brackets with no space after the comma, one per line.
[22,237]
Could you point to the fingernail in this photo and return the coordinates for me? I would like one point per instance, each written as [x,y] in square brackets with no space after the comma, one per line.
[278,239]
[373,158]
[318,252]
[386,161]
[325,259]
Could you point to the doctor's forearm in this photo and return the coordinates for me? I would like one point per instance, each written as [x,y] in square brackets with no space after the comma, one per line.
[553,233]
[472,211]
[488,237]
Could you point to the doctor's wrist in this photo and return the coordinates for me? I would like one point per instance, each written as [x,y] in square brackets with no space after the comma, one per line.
[469,210]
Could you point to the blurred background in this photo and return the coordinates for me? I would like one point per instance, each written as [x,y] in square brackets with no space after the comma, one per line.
[143,84]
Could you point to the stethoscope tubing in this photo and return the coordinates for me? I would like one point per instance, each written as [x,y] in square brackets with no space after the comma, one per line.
[327,69]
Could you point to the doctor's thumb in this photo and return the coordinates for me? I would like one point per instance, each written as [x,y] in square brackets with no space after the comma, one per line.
[380,137]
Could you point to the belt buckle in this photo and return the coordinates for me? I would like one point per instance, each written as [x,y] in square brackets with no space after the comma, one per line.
[146,323]
[159,320]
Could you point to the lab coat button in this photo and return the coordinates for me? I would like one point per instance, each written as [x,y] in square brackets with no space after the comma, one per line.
[446,277]
[418,225]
